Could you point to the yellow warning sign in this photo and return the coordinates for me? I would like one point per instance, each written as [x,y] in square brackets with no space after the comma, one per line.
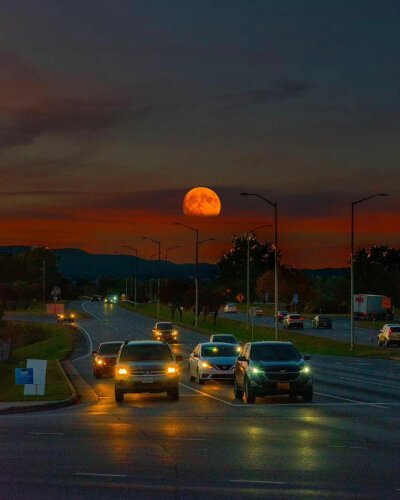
[240,297]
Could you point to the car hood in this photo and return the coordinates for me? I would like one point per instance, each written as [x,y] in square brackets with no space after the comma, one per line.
[276,366]
[146,365]
[222,360]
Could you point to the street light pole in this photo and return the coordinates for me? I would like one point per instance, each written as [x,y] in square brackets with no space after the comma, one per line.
[136,263]
[158,271]
[353,203]
[44,280]
[166,261]
[275,205]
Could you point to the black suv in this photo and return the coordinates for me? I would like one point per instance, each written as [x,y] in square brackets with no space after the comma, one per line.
[146,366]
[322,322]
[272,368]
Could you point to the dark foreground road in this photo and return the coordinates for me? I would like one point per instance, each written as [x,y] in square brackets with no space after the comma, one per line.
[207,446]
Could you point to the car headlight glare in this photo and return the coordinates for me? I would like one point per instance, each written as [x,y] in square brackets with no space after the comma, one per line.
[204,364]
[306,369]
[238,349]
[171,369]
[122,371]
[99,361]
[255,370]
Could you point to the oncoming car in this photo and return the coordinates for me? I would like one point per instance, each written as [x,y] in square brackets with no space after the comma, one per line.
[111,299]
[226,339]
[212,361]
[65,318]
[165,331]
[146,366]
[272,368]
[105,357]
[230,308]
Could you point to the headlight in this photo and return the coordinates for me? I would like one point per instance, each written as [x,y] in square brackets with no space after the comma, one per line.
[72,315]
[171,369]
[175,332]
[122,371]
[238,349]
[204,364]
[99,361]
[306,369]
[254,369]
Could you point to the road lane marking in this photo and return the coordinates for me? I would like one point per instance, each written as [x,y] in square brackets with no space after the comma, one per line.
[90,344]
[373,383]
[47,433]
[208,395]
[99,475]
[345,446]
[351,400]
[255,481]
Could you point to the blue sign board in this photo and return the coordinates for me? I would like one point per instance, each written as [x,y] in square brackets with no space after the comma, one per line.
[296,298]
[23,376]
[266,297]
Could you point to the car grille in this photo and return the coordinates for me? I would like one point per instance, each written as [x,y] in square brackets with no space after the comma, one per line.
[223,367]
[141,371]
[283,377]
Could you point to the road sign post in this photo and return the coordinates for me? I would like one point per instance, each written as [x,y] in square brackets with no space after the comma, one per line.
[295,300]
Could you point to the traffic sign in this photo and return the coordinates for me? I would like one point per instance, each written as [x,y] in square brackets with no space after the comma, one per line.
[266,297]
[23,376]
[386,303]
[240,297]
[296,298]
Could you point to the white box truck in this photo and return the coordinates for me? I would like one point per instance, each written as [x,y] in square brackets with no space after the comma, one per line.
[372,307]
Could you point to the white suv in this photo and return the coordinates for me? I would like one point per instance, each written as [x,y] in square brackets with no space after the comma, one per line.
[390,334]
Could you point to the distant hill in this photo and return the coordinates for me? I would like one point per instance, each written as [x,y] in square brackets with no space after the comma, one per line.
[327,272]
[74,263]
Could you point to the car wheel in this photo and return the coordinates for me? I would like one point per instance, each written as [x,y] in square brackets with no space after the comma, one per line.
[97,374]
[307,396]
[191,378]
[237,391]
[249,393]
[173,394]
[292,398]
[119,396]
[198,379]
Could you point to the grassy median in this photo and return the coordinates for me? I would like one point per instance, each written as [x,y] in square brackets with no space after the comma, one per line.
[304,343]
[36,341]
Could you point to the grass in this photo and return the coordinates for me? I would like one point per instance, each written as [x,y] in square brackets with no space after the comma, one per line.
[39,308]
[36,341]
[269,310]
[304,343]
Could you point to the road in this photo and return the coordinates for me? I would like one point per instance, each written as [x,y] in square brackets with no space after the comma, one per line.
[340,328]
[208,445]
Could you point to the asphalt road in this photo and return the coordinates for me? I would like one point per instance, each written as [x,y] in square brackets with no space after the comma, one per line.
[340,328]
[208,445]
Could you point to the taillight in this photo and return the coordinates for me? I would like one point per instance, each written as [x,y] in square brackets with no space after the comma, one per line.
[290,319]
[301,319]
[390,331]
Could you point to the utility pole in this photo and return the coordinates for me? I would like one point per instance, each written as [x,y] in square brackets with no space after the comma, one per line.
[44,280]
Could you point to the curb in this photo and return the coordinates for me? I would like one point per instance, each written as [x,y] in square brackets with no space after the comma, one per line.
[46,405]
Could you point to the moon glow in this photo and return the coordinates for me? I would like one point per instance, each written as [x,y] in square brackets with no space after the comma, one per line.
[201,202]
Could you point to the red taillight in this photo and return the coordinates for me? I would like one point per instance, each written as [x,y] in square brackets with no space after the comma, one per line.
[301,319]
[390,331]
[290,319]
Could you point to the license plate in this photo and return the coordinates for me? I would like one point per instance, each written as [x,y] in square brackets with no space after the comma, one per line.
[147,380]
[283,386]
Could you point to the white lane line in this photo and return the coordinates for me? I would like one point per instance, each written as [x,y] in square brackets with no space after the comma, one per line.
[47,433]
[91,313]
[90,344]
[373,383]
[99,475]
[255,482]
[345,446]
[208,395]
[351,400]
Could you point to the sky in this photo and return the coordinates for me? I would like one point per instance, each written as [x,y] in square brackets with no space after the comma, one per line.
[111,111]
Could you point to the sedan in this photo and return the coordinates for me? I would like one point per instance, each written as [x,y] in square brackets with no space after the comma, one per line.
[322,322]
[230,308]
[293,321]
[390,334]
[226,339]
[66,318]
[105,357]
[212,361]
[282,315]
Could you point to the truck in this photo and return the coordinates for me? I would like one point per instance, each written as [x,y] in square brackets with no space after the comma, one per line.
[372,307]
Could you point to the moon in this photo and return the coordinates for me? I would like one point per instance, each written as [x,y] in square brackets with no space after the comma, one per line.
[201,202]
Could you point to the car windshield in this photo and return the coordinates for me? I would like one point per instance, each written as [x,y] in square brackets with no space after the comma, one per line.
[228,339]
[395,328]
[146,352]
[165,326]
[274,352]
[230,305]
[110,348]
[295,316]
[218,351]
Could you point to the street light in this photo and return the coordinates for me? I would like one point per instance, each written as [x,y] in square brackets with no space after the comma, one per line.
[166,260]
[136,263]
[158,271]
[248,268]
[353,203]
[196,274]
[275,205]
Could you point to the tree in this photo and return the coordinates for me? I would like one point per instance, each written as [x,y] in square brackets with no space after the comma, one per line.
[233,264]
[179,295]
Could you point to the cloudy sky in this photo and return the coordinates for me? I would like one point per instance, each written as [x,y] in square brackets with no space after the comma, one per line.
[110,111]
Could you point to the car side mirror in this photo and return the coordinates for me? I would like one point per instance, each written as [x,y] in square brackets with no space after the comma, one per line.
[178,358]
[242,358]
[195,355]
[306,357]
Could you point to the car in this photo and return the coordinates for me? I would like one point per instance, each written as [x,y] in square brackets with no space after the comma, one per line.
[389,334]
[322,322]
[65,317]
[212,361]
[226,339]
[258,311]
[105,357]
[230,308]
[111,299]
[282,315]
[272,368]
[146,366]
[165,331]
[293,321]
[96,298]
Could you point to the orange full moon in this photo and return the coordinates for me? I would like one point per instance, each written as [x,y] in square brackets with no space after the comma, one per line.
[201,202]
